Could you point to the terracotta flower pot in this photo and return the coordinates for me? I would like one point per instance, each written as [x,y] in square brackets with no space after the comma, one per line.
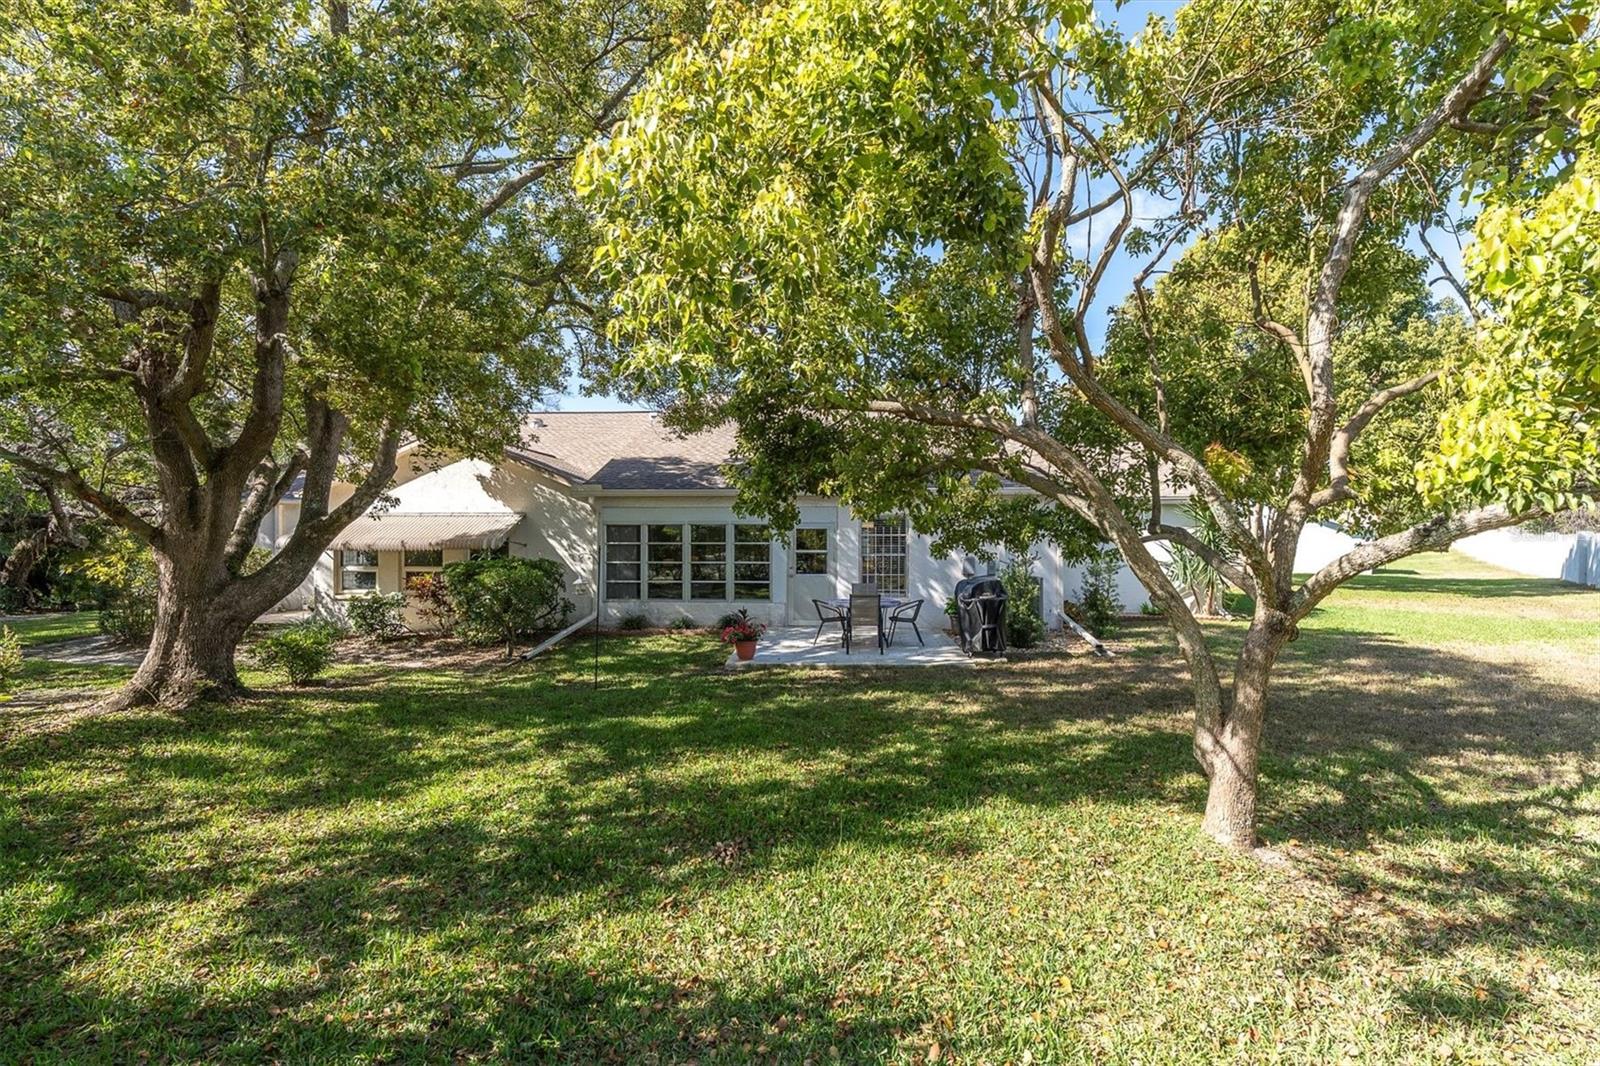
[746,650]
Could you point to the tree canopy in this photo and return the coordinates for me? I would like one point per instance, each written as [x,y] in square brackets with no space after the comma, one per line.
[878,236]
[256,245]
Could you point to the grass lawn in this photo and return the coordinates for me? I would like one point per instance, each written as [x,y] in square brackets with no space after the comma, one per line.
[991,865]
[49,628]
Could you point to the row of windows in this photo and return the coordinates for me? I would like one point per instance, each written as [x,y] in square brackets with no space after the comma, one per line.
[357,569]
[692,561]
[684,561]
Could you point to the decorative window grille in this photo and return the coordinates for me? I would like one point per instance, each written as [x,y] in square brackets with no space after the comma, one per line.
[883,554]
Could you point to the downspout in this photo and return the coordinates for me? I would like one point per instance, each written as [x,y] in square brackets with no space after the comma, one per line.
[551,642]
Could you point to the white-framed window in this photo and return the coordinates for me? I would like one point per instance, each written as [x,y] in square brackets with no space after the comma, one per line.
[752,562]
[664,561]
[708,562]
[356,570]
[688,561]
[811,550]
[419,562]
[624,563]
[883,553]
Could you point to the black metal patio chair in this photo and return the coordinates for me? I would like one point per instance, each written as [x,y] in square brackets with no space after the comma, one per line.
[907,613]
[831,614]
[866,611]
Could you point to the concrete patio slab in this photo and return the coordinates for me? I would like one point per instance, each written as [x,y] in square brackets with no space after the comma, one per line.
[791,646]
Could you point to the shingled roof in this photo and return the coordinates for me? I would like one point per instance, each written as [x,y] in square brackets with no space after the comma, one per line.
[624,450]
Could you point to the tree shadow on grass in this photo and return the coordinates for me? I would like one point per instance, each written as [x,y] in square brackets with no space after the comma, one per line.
[1457,788]
[534,800]
[535,797]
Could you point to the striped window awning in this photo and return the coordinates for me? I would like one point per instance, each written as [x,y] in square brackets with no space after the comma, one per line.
[398,531]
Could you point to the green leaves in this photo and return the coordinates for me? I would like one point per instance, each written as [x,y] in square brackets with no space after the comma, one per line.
[161,149]
[1528,429]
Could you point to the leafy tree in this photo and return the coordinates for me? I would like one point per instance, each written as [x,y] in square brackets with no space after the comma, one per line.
[1527,428]
[875,235]
[1098,602]
[259,244]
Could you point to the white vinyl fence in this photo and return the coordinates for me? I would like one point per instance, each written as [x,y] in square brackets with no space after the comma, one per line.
[1571,557]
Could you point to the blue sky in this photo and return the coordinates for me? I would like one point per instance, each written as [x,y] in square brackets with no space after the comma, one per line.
[1119,275]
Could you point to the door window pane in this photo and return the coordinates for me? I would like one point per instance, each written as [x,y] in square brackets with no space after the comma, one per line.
[811,551]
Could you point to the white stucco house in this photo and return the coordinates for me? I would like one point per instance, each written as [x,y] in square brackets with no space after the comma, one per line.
[642,519]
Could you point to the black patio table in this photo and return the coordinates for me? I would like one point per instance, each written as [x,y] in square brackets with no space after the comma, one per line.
[885,603]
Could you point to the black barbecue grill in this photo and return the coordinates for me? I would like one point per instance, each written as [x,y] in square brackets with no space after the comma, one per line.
[981,615]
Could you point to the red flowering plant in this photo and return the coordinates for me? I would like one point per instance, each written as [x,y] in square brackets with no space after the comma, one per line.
[743,628]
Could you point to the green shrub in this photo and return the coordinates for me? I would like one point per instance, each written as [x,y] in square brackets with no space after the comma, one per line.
[1099,608]
[376,614]
[497,600]
[301,651]
[1191,574]
[10,658]
[127,571]
[681,622]
[732,618]
[638,620]
[431,597]
[1024,624]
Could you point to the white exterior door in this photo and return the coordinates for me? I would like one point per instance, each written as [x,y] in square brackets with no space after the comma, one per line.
[813,568]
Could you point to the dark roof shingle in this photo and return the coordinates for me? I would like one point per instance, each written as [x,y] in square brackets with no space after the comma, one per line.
[624,450]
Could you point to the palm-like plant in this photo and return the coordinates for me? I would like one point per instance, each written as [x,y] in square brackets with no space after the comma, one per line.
[1193,576]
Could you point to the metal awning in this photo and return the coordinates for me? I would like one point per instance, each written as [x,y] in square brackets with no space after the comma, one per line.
[398,531]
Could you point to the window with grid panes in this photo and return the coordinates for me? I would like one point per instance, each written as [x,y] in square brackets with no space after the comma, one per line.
[752,562]
[811,551]
[664,562]
[358,570]
[420,561]
[883,554]
[623,562]
[708,562]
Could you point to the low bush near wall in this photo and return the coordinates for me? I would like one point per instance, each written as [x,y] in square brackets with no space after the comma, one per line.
[1024,624]
[1099,609]
[499,600]
[301,651]
[376,615]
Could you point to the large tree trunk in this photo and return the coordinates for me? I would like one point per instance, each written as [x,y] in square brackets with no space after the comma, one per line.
[1235,755]
[200,620]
